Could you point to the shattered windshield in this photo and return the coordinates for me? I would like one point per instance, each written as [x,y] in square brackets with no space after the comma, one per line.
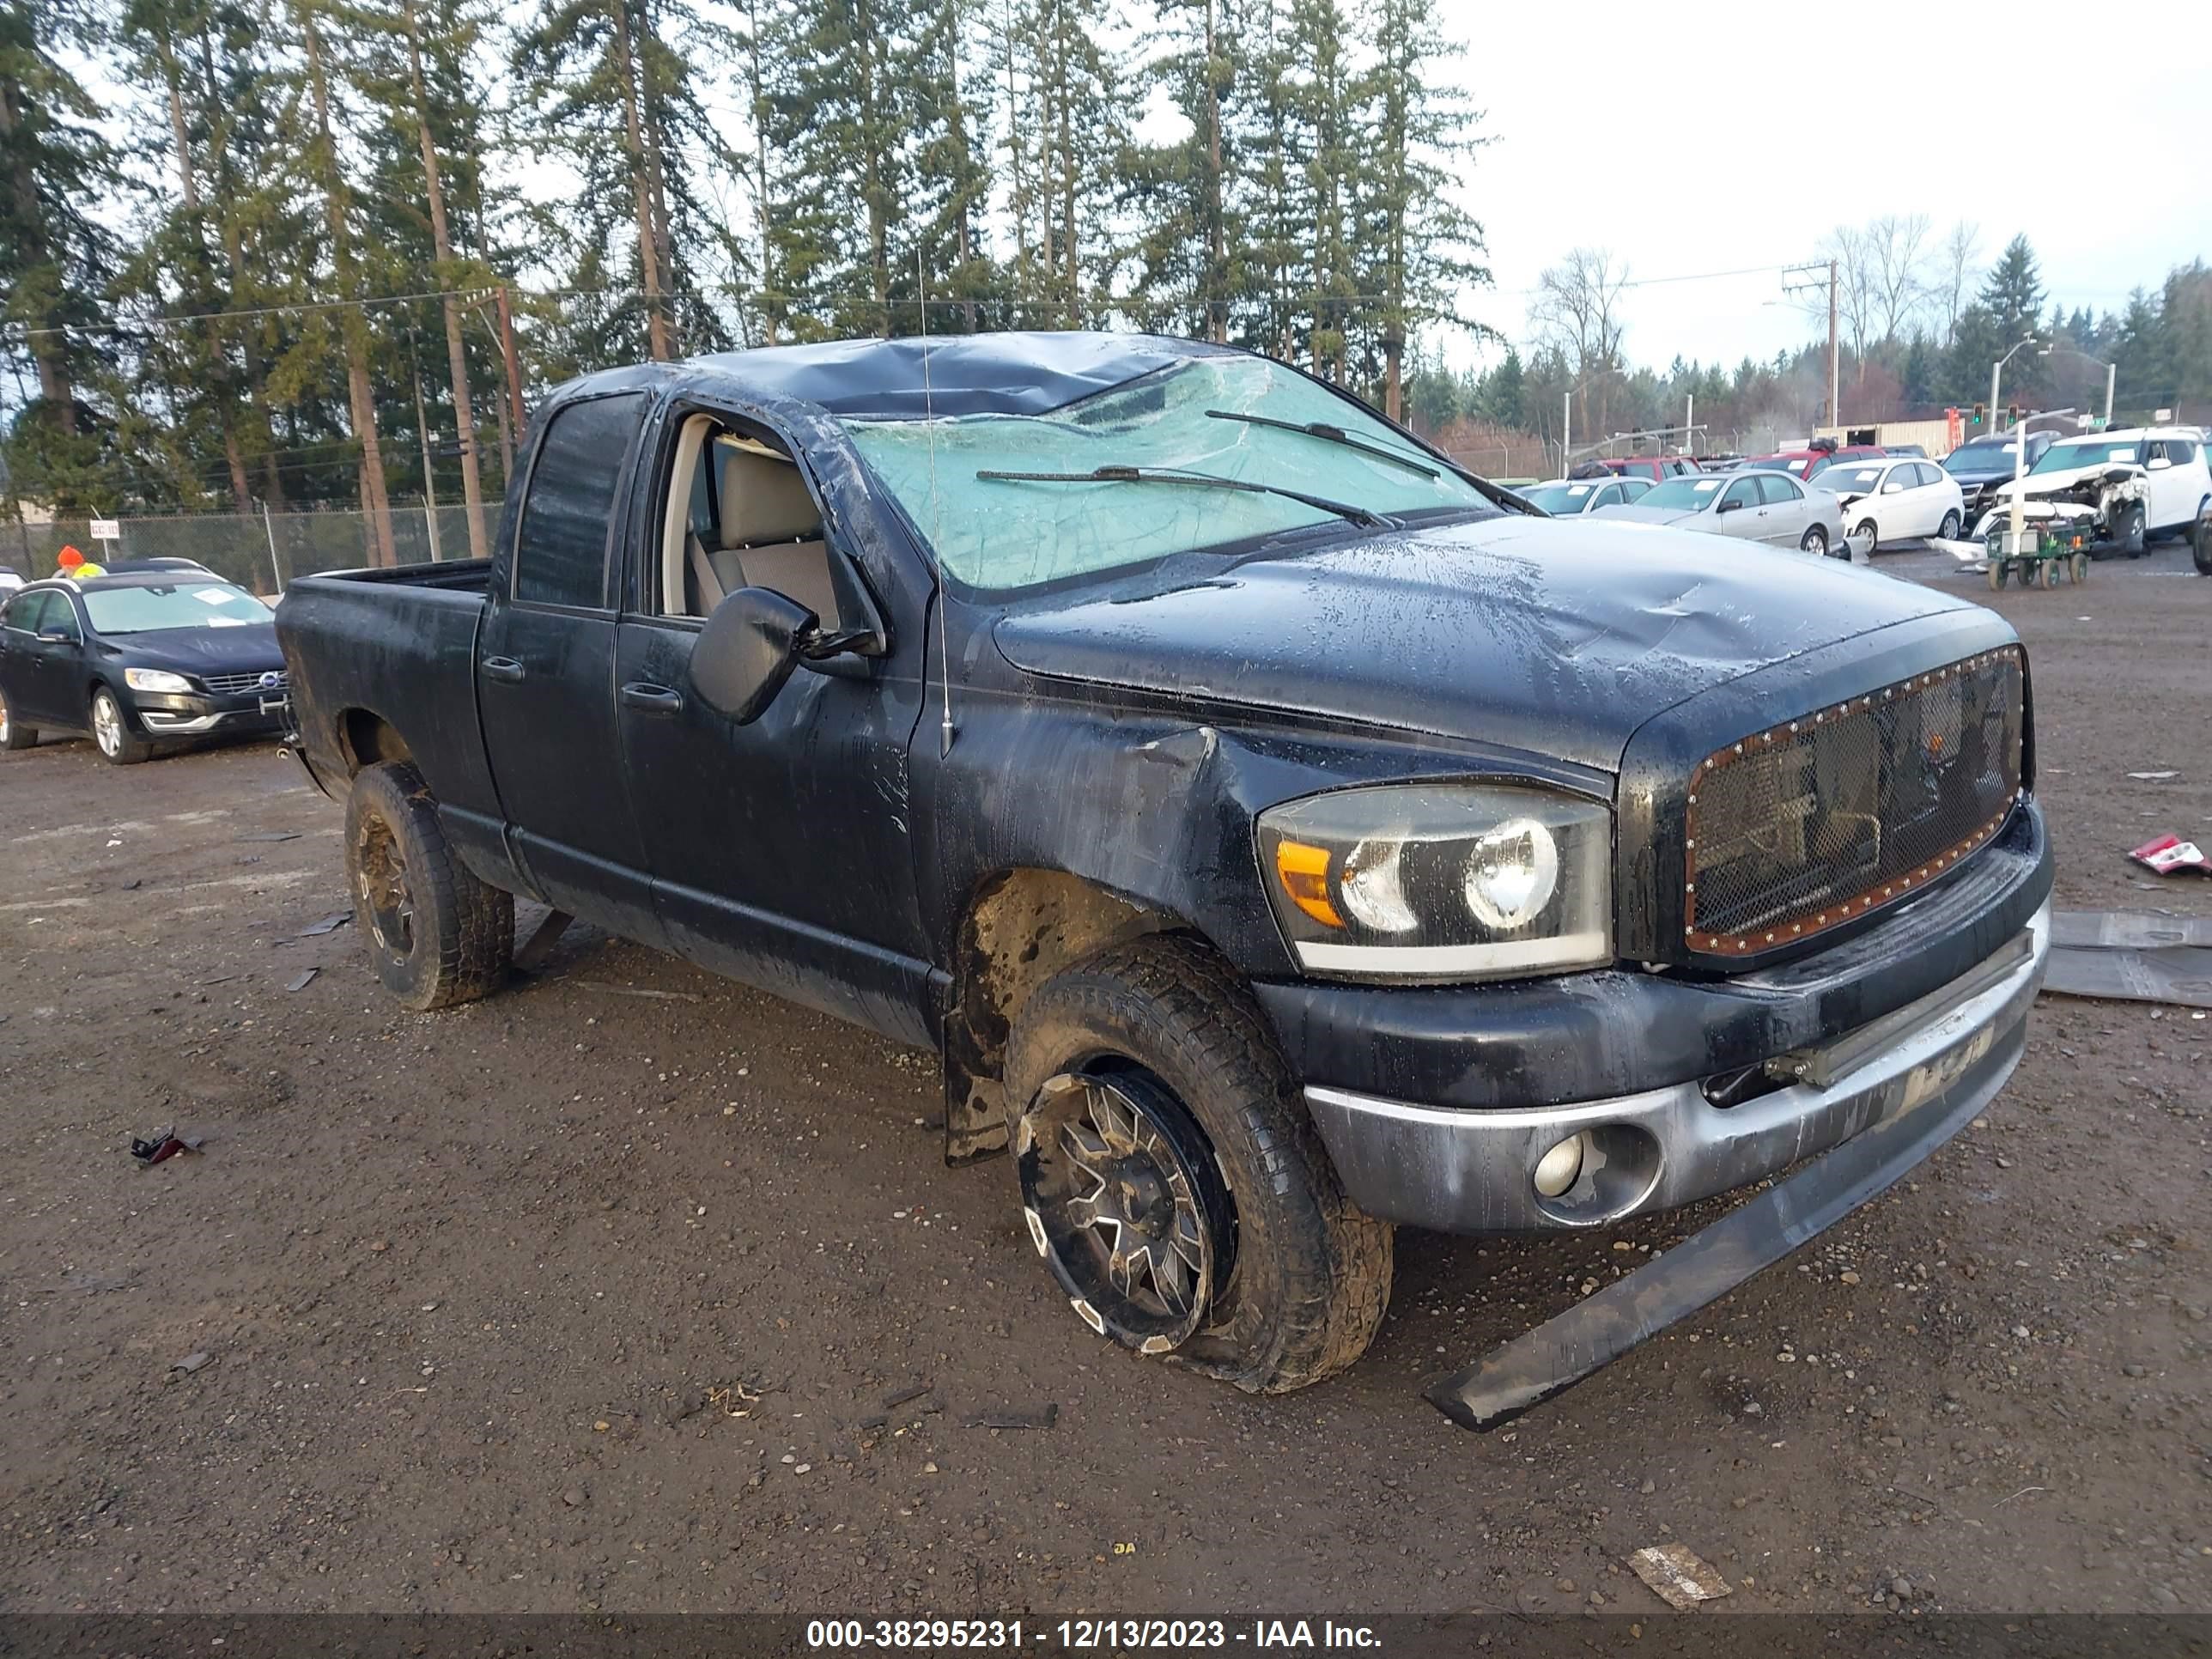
[1001,534]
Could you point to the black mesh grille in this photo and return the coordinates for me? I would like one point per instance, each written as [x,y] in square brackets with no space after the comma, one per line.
[1836,813]
[224,685]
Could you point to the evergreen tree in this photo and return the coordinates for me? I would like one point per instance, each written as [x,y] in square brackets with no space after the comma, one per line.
[1183,193]
[1423,244]
[1918,378]
[55,256]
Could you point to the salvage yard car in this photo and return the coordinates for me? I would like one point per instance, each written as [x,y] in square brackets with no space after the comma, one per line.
[1280,834]
[2125,488]
[1894,501]
[1753,505]
[138,663]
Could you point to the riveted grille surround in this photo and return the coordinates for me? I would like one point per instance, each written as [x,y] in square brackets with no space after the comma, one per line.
[1821,819]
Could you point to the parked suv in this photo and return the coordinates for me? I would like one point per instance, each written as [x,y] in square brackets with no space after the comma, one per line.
[1280,834]
[1982,466]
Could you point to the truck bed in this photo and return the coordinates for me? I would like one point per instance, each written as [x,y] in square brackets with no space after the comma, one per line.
[396,648]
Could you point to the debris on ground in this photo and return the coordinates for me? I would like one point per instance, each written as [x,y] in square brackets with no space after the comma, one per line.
[191,1362]
[1677,1577]
[1041,1418]
[898,1397]
[329,923]
[164,1144]
[636,991]
[2180,977]
[2169,854]
[2154,777]
[269,834]
[301,980]
[2121,930]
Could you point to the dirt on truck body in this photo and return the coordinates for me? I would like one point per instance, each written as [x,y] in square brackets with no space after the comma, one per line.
[1281,834]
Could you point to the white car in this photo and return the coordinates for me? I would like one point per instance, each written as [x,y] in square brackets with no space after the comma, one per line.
[10,582]
[2131,486]
[1895,500]
[1562,497]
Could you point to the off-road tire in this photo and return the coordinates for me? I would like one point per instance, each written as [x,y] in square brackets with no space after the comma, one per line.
[121,745]
[459,942]
[1312,1271]
[13,733]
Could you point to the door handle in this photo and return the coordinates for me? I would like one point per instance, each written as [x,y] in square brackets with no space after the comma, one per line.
[652,699]
[504,669]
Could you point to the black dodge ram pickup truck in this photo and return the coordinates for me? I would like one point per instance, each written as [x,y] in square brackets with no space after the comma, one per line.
[1280,834]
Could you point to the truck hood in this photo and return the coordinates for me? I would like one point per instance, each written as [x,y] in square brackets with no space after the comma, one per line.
[1555,638]
[248,647]
[2048,483]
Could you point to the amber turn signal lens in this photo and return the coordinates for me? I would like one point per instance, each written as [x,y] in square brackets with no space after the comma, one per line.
[1303,871]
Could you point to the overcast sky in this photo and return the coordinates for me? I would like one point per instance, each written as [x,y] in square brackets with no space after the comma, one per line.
[1717,137]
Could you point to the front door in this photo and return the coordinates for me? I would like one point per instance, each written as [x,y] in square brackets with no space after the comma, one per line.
[545,675]
[781,850]
[1782,510]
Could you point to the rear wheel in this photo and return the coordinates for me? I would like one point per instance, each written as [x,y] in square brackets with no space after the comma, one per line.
[1173,1183]
[1815,542]
[438,936]
[13,733]
[2078,568]
[1999,569]
[111,730]
[1948,530]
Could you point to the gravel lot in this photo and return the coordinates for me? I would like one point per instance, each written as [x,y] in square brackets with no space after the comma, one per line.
[585,1296]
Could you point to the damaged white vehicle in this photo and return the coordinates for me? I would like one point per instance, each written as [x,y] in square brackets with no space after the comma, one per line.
[2120,488]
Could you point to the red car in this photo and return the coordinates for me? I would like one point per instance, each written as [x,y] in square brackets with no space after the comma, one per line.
[1811,463]
[1657,468]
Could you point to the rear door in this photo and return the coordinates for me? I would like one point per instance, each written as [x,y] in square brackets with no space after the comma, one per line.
[53,659]
[545,672]
[1786,510]
[20,659]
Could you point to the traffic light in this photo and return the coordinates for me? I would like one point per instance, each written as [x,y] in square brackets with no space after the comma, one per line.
[2012,414]
[1981,413]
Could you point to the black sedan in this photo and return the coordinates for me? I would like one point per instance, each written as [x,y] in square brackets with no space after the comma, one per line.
[136,661]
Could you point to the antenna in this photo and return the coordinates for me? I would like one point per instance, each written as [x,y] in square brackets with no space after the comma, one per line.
[936,517]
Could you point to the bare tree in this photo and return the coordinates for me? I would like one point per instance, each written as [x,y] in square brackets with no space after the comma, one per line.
[1857,308]
[1960,260]
[1576,312]
[1897,250]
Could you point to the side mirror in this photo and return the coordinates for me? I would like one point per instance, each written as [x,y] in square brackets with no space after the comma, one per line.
[748,649]
[2157,463]
[1727,504]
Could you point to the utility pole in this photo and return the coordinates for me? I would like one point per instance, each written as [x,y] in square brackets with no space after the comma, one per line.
[1835,381]
[1566,428]
[1809,279]
[2111,373]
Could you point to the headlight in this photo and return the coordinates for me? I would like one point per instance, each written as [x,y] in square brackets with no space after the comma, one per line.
[1441,881]
[154,679]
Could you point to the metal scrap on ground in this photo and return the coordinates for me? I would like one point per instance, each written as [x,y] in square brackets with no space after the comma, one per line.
[1677,1577]
[329,923]
[2131,958]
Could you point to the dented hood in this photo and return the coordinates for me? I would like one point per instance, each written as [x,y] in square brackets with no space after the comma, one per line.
[2063,479]
[1555,638]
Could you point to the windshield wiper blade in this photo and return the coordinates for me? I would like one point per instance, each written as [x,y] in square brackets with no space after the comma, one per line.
[1328,434]
[1165,475]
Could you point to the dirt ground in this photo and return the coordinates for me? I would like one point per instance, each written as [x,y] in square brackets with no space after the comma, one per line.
[581,1298]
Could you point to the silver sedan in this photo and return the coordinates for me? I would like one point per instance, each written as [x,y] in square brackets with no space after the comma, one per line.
[1753,507]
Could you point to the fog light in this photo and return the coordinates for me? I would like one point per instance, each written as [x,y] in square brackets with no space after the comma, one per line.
[1559,1168]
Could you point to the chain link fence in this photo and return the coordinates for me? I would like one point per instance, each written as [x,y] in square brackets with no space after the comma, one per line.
[262,552]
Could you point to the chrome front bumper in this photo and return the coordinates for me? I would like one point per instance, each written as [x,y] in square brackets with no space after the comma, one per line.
[1474,1171]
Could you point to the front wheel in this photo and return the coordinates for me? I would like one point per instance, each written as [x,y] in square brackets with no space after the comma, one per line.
[2133,534]
[14,734]
[1948,530]
[1815,542]
[437,934]
[2201,546]
[2077,567]
[1868,533]
[118,743]
[1173,1183]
